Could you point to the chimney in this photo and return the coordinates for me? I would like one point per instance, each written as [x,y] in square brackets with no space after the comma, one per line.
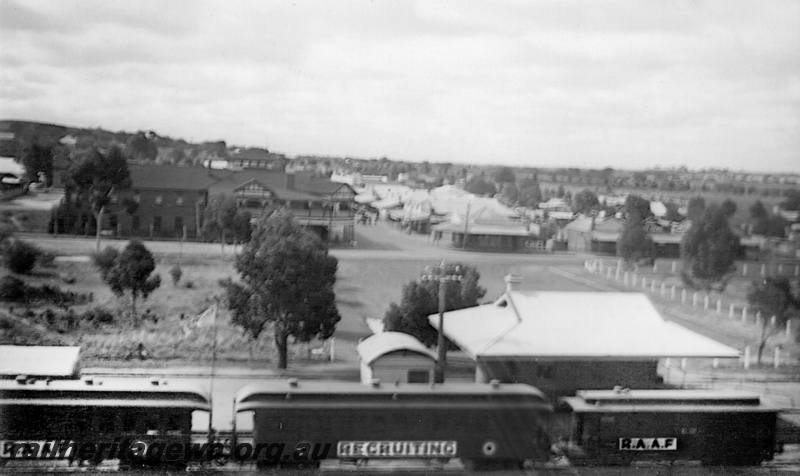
[290,181]
[512,282]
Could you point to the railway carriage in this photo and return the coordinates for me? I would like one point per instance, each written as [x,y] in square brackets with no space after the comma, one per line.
[713,427]
[486,425]
[41,419]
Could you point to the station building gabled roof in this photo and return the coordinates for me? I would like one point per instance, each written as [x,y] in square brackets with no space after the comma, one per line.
[554,325]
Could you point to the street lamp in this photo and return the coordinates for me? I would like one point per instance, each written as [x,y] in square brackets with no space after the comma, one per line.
[437,273]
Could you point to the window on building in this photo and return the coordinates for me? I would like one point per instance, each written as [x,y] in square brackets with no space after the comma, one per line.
[179,199]
[136,222]
[178,224]
[159,199]
[137,196]
[419,376]
[157,224]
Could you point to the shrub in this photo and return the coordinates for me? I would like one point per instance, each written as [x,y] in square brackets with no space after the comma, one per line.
[98,315]
[105,260]
[21,256]
[176,272]
[46,259]
[12,289]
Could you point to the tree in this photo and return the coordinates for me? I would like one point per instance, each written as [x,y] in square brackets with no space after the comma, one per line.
[129,272]
[141,147]
[634,242]
[287,279]
[637,208]
[792,201]
[20,256]
[585,202]
[695,207]
[529,193]
[772,296]
[709,249]
[672,212]
[504,175]
[95,179]
[758,211]
[728,207]
[509,194]
[479,186]
[219,219]
[421,299]
[37,159]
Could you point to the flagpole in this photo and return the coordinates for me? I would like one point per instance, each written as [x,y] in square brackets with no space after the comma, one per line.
[213,366]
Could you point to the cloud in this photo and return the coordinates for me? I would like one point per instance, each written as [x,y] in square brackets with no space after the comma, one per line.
[546,82]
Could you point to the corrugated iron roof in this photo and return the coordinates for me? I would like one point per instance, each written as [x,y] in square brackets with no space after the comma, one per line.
[574,325]
[384,343]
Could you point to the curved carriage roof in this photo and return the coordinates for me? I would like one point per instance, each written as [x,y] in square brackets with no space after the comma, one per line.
[327,394]
[666,401]
[378,345]
[118,392]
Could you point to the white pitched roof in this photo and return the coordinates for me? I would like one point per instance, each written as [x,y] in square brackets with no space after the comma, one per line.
[384,343]
[574,325]
[35,360]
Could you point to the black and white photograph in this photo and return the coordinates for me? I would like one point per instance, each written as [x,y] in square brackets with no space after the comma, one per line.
[429,237]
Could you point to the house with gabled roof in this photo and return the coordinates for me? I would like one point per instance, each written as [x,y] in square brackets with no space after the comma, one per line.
[561,342]
[325,207]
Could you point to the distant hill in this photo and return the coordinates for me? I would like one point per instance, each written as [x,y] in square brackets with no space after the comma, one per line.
[142,146]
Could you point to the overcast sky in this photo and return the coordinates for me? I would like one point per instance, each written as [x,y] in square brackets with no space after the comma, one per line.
[626,84]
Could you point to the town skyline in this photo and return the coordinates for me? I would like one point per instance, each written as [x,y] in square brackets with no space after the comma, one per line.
[630,86]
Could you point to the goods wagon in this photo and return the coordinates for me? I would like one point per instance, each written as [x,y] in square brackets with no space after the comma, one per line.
[714,427]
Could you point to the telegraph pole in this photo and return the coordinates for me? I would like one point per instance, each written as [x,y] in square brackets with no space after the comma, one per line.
[437,273]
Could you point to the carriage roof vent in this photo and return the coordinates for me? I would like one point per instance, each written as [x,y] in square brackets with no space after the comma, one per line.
[495,383]
[88,380]
[155,381]
[22,379]
[293,382]
[375,383]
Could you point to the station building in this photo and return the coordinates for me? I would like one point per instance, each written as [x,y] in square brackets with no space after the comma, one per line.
[561,342]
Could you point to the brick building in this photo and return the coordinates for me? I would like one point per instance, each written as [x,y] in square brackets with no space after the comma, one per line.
[171,200]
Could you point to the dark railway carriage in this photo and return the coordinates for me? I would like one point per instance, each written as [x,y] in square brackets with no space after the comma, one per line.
[486,425]
[53,414]
[714,427]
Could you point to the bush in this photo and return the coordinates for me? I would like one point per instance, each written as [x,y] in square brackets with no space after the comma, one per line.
[176,272]
[21,256]
[99,315]
[46,259]
[12,289]
[105,260]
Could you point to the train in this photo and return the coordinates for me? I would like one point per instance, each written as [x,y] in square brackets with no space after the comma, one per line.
[620,426]
[301,423]
[486,426]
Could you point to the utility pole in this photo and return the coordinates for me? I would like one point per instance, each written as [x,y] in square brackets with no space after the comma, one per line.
[437,273]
